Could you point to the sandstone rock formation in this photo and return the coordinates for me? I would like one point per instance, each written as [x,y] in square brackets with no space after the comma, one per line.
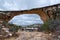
[7,15]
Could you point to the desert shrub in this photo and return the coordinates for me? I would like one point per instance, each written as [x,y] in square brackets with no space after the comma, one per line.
[51,26]
[45,26]
[12,27]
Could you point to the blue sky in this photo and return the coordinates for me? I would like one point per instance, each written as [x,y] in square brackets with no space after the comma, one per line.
[25,4]
[26,19]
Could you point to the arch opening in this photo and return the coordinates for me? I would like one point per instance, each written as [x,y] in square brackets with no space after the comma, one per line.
[26,19]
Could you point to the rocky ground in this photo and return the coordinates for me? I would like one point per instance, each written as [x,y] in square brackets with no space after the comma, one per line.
[25,35]
[34,36]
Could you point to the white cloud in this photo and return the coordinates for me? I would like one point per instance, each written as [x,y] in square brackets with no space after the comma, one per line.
[14,5]
[26,19]
[1,9]
[25,4]
[54,2]
[10,6]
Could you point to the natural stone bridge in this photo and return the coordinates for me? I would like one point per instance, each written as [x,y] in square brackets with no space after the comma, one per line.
[10,14]
[45,13]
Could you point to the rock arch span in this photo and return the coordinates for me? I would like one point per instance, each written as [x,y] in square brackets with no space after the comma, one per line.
[8,15]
